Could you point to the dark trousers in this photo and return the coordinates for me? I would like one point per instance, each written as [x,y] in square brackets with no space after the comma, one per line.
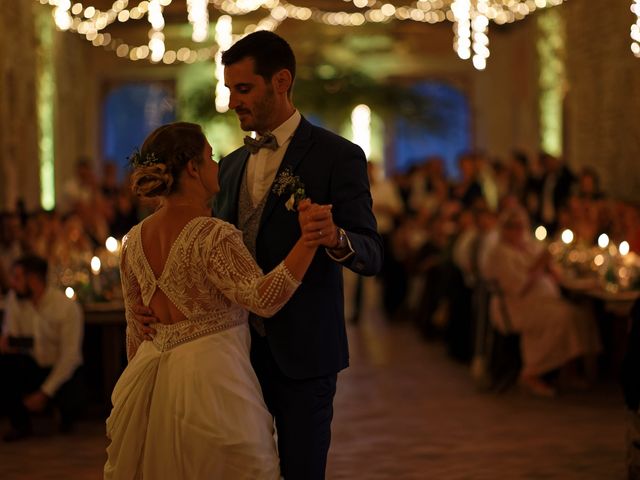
[303,410]
[21,375]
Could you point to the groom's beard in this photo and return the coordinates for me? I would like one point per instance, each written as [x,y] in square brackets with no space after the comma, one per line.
[261,112]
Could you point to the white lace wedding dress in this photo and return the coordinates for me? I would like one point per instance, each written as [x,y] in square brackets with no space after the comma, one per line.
[188,405]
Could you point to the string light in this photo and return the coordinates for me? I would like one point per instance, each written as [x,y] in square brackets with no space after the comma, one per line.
[61,14]
[461,10]
[224,38]
[479,29]
[90,21]
[198,16]
[635,29]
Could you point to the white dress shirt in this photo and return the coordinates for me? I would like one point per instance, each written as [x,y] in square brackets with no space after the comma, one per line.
[56,325]
[263,165]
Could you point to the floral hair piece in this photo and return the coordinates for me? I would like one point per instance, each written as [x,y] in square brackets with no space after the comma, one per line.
[137,160]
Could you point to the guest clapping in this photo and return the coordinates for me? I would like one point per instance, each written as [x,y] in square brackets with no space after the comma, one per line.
[553,331]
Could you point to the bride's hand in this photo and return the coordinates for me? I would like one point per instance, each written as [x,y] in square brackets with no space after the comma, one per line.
[314,220]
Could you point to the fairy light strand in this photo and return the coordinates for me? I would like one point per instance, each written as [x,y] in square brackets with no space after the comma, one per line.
[471,42]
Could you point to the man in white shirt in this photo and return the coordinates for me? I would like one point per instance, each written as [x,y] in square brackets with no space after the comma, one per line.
[40,346]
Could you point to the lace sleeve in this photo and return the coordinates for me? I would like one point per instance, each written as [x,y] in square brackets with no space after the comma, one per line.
[231,268]
[132,296]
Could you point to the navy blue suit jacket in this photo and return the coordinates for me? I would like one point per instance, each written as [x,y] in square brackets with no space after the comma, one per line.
[307,337]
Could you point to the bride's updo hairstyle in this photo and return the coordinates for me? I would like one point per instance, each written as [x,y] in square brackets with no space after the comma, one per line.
[164,155]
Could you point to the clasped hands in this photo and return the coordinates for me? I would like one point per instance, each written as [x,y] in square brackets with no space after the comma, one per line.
[316,224]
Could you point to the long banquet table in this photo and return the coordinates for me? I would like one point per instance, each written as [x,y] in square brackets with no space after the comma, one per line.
[613,310]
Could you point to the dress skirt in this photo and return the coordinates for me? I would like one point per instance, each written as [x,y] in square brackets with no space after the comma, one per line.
[192,412]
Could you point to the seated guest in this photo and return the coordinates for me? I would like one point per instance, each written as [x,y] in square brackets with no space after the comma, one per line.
[553,331]
[555,187]
[10,245]
[41,348]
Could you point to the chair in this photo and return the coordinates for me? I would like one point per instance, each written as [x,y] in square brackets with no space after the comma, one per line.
[497,359]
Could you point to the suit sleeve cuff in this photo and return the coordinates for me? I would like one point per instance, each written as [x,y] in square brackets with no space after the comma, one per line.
[341,254]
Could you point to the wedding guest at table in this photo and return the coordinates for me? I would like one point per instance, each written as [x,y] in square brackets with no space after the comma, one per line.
[554,332]
[588,185]
[10,245]
[41,349]
[487,179]
[82,196]
[431,263]
[582,217]
[109,186]
[387,208]
[633,228]
[555,187]
[76,247]
[469,188]
[524,184]
[434,172]
[125,214]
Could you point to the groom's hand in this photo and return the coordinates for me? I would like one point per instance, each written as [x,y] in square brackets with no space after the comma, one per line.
[316,223]
[144,316]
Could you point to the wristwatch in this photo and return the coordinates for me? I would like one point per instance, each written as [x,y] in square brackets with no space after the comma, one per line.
[342,240]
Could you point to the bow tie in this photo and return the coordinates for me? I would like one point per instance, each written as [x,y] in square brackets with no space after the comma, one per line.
[268,140]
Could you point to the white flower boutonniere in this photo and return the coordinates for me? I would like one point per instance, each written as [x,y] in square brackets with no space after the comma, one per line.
[288,183]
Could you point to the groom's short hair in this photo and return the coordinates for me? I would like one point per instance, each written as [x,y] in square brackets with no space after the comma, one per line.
[270,52]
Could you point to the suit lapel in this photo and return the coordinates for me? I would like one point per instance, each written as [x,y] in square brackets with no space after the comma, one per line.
[300,144]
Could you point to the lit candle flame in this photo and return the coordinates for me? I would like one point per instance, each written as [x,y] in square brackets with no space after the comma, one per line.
[567,236]
[111,244]
[624,248]
[95,265]
[603,240]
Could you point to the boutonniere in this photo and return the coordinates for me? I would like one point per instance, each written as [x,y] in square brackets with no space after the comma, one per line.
[286,183]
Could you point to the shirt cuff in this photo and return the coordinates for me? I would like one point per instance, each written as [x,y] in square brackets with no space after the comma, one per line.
[342,254]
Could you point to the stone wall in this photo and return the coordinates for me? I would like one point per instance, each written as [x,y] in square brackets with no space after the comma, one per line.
[505,109]
[602,107]
[74,103]
[19,171]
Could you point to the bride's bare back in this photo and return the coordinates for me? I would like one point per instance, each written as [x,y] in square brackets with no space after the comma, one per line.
[159,234]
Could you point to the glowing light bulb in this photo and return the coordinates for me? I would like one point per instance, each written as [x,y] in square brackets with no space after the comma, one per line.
[598,260]
[541,233]
[95,265]
[70,292]
[603,240]
[624,248]
[567,236]
[111,244]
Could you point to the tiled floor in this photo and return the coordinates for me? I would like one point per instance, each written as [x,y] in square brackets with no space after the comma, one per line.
[405,411]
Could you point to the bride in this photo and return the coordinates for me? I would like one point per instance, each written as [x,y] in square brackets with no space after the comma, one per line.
[188,405]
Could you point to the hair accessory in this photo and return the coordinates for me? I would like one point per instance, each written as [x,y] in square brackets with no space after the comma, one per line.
[137,160]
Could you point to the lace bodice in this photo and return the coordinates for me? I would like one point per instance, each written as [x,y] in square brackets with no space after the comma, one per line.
[208,275]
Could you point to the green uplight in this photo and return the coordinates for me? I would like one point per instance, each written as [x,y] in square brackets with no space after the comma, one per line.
[551,48]
[46,100]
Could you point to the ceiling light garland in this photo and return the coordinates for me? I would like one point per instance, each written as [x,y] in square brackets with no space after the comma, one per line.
[635,29]
[471,20]
[198,16]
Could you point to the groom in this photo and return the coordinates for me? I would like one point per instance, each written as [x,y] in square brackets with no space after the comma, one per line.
[298,353]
